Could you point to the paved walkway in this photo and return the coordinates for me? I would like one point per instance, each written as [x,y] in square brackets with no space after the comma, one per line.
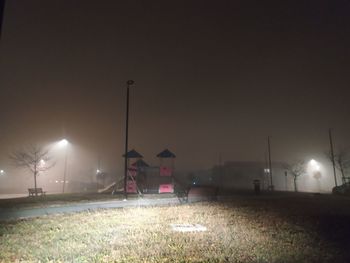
[13,213]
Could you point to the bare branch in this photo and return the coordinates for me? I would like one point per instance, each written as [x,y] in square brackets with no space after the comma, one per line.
[341,161]
[296,169]
[33,158]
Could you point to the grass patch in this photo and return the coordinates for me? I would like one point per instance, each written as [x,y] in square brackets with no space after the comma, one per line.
[68,198]
[242,230]
[55,199]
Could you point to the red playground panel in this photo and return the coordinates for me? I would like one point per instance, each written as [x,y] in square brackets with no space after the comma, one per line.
[132,171]
[165,171]
[166,188]
[131,187]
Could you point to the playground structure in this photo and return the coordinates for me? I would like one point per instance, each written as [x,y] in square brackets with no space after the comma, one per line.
[143,178]
[166,170]
[132,170]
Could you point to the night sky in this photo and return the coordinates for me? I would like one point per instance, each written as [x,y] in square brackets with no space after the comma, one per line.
[211,77]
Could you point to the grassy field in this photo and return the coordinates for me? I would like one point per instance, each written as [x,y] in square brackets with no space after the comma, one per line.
[301,228]
[69,198]
[55,199]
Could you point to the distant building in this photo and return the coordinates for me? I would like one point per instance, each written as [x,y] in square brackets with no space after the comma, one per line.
[240,175]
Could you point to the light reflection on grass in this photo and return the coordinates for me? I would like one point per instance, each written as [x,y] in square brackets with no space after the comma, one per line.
[235,233]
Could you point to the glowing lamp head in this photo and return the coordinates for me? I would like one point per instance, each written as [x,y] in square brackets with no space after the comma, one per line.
[313,162]
[63,143]
[315,165]
[2,171]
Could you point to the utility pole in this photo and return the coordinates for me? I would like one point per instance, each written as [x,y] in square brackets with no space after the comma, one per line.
[286,180]
[266,172]
[128,84]
[332,156]
[220,170]
[270,166]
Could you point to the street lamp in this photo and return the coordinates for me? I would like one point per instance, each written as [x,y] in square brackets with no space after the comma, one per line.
[128,84]
[315,171]
[314,165]
[64,144]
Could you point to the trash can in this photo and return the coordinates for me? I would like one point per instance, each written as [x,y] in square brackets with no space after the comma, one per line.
[256,184]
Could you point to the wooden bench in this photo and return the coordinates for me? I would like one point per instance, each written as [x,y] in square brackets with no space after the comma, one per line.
[38,191]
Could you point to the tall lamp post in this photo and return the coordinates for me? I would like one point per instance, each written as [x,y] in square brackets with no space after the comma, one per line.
[270,166]
[2,9]
[128,84]
[64,143]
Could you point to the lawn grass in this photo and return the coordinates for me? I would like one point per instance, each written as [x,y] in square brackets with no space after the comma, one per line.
[244,229]
[68,198]
[55,199]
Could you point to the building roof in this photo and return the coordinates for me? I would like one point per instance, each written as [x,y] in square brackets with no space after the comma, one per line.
[166,154]
[133,154]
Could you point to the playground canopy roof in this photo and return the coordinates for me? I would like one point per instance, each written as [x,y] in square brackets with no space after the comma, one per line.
[140,163]
[133,154]
[166,154]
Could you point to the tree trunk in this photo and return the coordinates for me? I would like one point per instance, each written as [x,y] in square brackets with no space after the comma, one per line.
[295,185]
[35,173]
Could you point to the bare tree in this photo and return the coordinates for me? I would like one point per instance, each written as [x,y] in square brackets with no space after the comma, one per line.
[342,162]
[296,169]
[33,158]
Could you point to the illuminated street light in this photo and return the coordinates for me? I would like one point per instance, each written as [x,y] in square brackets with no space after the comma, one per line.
[314,165]
[317,167]
[315,172]
[313,162]
[2,172]
[64,144]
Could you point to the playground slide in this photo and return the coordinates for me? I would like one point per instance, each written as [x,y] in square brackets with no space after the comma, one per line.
[117,186]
